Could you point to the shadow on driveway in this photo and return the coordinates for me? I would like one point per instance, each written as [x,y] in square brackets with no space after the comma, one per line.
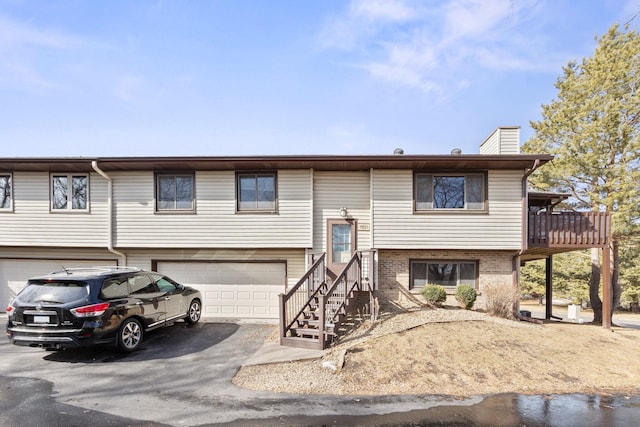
[174,341]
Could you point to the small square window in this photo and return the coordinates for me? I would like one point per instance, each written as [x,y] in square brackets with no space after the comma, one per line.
[256,192]
[6,192]
[175,192]
[69,192]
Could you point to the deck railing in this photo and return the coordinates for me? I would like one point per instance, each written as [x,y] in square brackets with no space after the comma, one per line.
[568,229]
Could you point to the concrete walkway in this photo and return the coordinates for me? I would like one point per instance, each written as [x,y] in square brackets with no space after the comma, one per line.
[273,352]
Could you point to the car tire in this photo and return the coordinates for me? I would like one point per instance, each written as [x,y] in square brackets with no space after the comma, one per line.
[130,335]
[194,312]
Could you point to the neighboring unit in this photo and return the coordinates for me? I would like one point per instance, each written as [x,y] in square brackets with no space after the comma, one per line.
[243,230]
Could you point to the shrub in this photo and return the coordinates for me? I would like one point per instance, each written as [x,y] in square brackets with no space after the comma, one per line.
[499,301]
[435,294]
[466,296]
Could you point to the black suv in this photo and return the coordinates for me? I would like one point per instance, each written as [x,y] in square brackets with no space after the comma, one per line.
[88,306]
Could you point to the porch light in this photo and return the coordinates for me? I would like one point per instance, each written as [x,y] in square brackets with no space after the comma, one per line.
[343,212]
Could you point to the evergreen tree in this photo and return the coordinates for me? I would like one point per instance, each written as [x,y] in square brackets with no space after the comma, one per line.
[593,130]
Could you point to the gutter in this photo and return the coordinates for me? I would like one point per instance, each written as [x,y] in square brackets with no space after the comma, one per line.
[94,165]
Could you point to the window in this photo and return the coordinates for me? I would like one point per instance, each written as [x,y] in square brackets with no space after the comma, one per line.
[69,192]
[142,284]
[449,191]
[175,192]
[6,197]
[164,283]
[447,274]
[256,192]
[115,288]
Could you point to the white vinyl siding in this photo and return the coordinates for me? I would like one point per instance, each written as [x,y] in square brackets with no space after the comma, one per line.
[503,140]
[32,222]
[397,226]
[333,191]
[216,223]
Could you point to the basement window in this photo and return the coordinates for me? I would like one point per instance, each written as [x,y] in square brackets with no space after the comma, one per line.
[448,274]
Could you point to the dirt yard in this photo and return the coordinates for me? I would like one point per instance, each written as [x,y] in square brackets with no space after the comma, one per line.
[462,353]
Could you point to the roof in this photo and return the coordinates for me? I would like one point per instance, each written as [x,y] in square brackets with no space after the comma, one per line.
[317,162]
[546,199]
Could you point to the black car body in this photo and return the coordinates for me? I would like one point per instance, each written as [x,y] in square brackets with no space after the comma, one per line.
[85,307]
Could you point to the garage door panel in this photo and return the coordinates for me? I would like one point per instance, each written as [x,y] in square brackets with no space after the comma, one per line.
[14,273]
[233,289]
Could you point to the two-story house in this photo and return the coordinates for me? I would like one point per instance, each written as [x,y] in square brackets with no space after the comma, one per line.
[241,229]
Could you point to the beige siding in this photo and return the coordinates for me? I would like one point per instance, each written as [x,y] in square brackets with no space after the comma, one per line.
[491,145]
[32,223]
[334,190]
[396,226]
[504,140]
[215,223]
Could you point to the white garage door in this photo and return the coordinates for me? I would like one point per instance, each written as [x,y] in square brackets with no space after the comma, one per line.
[247,290]
[15,273]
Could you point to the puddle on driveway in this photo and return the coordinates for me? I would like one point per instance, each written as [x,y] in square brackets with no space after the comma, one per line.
[496,411]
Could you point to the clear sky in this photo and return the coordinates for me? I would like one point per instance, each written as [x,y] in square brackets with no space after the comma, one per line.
[258,77]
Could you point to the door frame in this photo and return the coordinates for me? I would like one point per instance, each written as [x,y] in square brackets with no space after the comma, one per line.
[334,268]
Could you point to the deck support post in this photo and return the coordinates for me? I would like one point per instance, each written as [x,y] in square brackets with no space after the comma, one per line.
[549,287]
[606,287]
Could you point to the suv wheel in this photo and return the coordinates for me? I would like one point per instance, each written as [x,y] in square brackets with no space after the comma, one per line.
[130,335]
[194,312]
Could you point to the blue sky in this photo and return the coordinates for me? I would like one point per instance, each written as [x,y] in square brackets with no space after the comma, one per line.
[256,77]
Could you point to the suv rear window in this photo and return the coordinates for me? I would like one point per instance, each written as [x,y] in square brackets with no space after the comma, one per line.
[54,292]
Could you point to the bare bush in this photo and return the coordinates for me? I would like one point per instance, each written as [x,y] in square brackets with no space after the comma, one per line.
[499,301]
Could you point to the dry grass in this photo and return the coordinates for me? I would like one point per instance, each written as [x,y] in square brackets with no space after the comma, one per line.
[430,352]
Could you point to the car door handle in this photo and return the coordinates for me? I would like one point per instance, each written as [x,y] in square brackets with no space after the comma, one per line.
[139,303]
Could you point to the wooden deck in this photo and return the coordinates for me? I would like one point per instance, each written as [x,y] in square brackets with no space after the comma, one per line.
[556,232]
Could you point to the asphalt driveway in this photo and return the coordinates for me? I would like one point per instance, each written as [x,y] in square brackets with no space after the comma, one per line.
[181,376]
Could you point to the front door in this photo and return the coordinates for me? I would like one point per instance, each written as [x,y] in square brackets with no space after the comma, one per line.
[341,244]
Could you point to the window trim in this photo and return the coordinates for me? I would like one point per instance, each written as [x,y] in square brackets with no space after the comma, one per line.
[449,289]
[175,210]
[11,192]
[465,210]
[69,208]
[274,175]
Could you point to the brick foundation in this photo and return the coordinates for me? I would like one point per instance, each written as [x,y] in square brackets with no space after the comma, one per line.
[495,270]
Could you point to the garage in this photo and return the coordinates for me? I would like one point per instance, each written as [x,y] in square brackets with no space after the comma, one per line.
[14,273]
[235,289]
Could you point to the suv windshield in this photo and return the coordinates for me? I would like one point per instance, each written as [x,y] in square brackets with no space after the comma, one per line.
[56,292]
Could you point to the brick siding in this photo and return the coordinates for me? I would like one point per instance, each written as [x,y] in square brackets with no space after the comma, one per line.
[495,270]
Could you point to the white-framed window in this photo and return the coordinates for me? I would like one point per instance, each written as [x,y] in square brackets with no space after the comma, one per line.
[256,192]
[69,192]
[449,191]
[175,192]
[446,273]
[6,192]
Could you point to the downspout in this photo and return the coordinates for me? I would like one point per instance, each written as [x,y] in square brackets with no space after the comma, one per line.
[94,165]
